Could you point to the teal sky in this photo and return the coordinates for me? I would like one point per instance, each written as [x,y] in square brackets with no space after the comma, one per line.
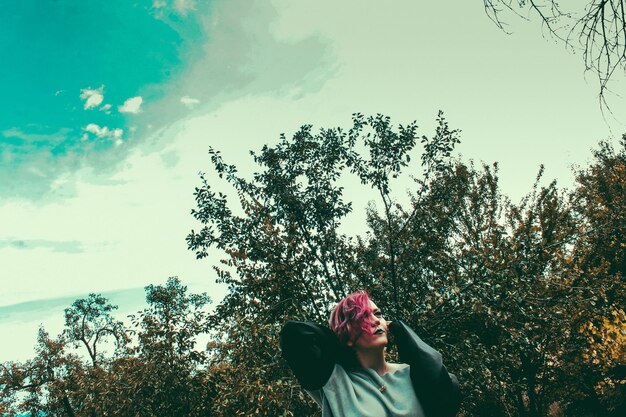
[108,108]
[57,51]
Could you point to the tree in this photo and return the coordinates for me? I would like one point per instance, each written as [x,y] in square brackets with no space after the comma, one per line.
[599,272]
[499,287]
[172,378]
[44,384]
[159,372]
[478,278]
[88,323]
[597,28]
[285,255]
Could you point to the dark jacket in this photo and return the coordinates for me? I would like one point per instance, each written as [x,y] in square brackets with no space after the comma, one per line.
[312,351]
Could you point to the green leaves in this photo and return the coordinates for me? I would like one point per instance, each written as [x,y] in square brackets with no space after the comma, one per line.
[89,323]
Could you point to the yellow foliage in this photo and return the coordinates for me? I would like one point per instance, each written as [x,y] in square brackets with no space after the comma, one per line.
[606,345]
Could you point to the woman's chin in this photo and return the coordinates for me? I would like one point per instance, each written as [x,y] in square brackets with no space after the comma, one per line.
[379,342]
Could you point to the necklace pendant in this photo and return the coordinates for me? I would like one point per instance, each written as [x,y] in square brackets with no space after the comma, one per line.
[382,388]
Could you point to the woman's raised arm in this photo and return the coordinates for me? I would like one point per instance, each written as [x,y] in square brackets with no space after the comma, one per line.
[311,351]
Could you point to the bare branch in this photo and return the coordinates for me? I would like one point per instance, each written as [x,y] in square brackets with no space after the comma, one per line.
[599,31]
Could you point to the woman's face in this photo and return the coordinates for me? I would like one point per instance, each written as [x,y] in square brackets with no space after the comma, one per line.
[378,338]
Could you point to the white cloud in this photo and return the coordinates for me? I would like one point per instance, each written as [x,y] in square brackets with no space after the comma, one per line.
[100,132]
[116,135]
[189,101]
[106,108]
[92,97]
[58,136]
[131,105]
[184,6]
[181,7]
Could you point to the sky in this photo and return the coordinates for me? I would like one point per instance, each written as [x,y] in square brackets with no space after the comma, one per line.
[108,109]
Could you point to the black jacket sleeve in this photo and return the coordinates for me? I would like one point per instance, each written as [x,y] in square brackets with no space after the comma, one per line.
[311,352]
[437,390]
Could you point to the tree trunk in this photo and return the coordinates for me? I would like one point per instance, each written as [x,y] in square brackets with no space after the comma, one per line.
[68,407]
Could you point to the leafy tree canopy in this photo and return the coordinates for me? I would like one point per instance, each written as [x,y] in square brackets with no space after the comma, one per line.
[502,289]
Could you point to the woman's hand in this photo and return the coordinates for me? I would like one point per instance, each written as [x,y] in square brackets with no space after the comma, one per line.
[391,326]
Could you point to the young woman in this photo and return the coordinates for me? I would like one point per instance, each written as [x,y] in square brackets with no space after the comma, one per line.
[344,368]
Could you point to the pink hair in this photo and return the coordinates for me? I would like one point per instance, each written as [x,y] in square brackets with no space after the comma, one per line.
[352,317]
